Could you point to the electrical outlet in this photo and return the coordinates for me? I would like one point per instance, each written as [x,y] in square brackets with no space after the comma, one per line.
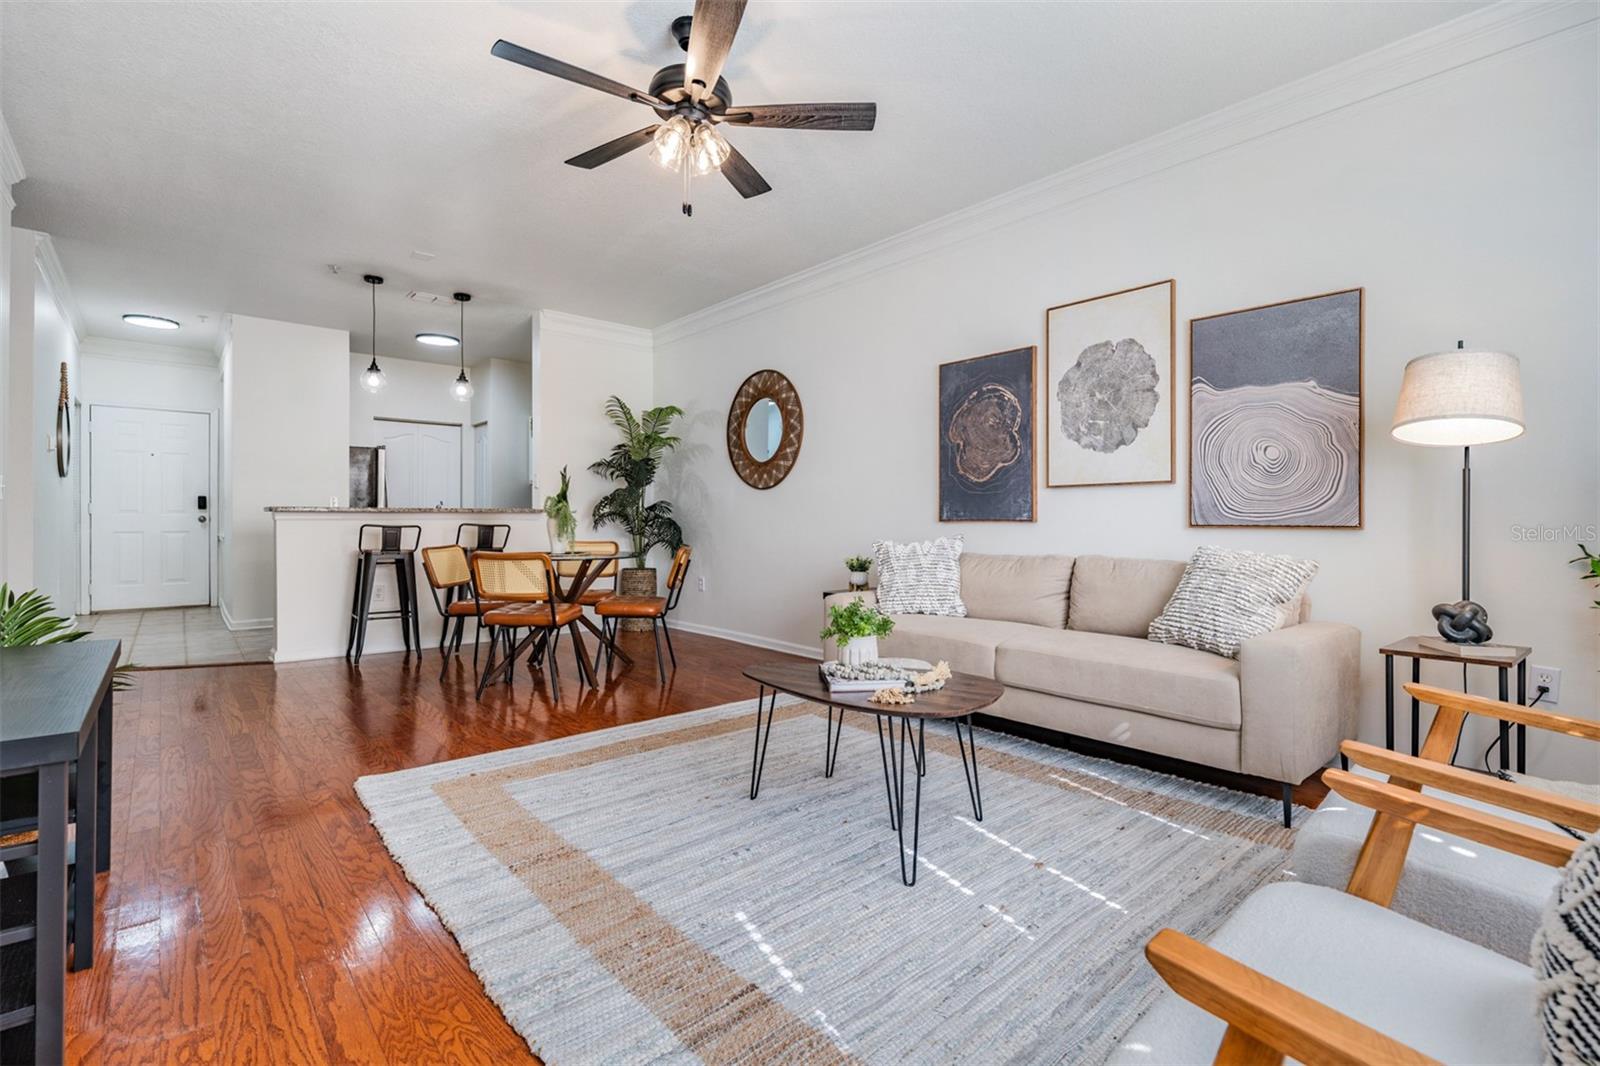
[380,592]
[702,585]
[1549,677]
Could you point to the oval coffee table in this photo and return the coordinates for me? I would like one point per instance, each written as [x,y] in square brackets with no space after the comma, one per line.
[961,696]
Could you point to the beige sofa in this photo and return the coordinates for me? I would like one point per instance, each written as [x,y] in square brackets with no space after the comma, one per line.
[1066,636]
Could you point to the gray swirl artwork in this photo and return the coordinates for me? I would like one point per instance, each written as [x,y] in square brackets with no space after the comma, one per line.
[1108,395]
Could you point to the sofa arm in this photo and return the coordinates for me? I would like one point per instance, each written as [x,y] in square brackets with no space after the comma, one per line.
[1300,697]
[830,649]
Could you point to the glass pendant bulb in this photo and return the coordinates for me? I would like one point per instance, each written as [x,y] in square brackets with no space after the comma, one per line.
[373,379]
[462,388]
[708,150]
[672,142]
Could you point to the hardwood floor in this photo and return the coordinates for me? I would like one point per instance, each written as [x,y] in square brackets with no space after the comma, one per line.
[252,915]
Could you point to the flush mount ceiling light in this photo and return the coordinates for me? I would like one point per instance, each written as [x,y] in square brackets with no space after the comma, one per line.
[691,100]
[150,321]
[437,340]
[373,378]
[461,388]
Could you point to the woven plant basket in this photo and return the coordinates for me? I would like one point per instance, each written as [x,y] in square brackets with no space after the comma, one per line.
[636,581]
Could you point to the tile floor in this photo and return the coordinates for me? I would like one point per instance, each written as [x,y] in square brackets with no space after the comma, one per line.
[179,636]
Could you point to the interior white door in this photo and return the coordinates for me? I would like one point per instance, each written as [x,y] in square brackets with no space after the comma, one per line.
[480,465]
[423,463]
[149,539]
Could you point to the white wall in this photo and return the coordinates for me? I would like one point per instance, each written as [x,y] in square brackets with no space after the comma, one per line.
[18,402]
[286,441]
[55,504]
[583,362]
[509,389]
[418,391]
[1465,203]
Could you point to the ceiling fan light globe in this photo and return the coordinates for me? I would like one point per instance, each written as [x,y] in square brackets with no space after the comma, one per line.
[708,150]
[672,142]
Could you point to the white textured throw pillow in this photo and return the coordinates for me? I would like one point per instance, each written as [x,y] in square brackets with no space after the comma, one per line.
[1566,962]
[920,578]
[1226,597]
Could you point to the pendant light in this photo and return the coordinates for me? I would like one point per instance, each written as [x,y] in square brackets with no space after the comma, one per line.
[373,378]
[461,388]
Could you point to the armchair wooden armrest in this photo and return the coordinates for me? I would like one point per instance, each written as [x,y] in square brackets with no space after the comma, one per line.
[1416,772]
[1397,810]
[1455,706]
[1267,1020]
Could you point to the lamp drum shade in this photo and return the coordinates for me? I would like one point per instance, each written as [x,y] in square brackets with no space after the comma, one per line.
[1459,398]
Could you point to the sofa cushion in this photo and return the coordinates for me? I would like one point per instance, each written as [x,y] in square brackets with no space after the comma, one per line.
[1120,596]
[1126,672]
[920,577]
[1482,894]
[1017,588]
[1228,596]
[1447,998]
[967,644]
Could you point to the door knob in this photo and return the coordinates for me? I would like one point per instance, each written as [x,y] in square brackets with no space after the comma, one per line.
[201,519]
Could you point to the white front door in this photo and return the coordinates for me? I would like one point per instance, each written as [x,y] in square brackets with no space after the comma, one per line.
[480,465]
[149,538]
[423,463]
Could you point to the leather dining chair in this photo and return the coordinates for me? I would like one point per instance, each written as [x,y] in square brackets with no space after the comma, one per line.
[568,568]
[515,591]
[656,608]
[450,581]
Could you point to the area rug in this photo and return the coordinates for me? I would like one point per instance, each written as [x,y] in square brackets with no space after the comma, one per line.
[624,900]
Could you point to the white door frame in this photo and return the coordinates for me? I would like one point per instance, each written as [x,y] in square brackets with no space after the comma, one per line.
[86,542]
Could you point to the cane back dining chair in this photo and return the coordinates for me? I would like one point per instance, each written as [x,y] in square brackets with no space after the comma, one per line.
[570,568]
[450,580]
[656,608]
[516,591]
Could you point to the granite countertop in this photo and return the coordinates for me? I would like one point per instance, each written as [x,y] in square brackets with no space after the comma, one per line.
[404,510]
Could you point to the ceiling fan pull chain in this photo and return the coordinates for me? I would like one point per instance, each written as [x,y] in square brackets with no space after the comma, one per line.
[688,208]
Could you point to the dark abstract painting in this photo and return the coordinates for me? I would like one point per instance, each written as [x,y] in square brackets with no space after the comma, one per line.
[1275,415]
[986,438]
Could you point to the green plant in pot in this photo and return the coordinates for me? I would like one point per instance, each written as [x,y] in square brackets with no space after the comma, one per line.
[858,565]
[558,516]
[27,619]
[1591,564]
[631,466]
[856,627]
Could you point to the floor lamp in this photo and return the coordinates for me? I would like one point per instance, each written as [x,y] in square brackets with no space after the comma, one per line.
[1456,399]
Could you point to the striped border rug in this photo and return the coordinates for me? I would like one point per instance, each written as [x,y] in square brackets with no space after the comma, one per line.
[624,901]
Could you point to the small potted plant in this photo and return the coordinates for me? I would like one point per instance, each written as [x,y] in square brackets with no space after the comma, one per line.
[858,565]
[856,627]
[559,519]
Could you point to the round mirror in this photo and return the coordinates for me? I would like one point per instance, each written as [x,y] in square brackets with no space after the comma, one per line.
[763,429]
[765,425]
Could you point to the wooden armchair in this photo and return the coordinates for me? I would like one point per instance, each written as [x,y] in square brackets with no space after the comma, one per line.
[1491,898]
[1337,1006]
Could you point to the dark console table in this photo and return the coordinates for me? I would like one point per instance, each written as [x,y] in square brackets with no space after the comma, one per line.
[55,712]
[1414,649]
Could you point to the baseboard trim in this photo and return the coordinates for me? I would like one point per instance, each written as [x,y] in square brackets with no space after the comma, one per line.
[237,624]
[750,638]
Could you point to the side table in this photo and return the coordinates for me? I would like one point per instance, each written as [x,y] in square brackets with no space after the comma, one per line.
[1414,649]
[840,592]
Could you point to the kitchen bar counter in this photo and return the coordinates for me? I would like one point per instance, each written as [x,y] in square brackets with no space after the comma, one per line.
[315,552]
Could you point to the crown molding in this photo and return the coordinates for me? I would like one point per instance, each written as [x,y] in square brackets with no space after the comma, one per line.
[595,329]
[44,254]
[11,169]
[1473,37]
[145,352]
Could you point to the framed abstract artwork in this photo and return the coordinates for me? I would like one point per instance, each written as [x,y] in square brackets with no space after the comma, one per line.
[986,450]
[1275,415]
[1109,367]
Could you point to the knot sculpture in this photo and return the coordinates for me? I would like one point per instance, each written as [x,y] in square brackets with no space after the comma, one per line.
[1463,622]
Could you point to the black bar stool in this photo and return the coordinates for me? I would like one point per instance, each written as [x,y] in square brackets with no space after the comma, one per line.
[482,537]
[396,545]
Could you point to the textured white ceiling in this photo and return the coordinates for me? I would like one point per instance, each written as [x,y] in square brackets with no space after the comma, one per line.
[201,158]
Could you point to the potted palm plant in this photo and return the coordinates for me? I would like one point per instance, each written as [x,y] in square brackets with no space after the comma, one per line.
[631,466]
[27,619]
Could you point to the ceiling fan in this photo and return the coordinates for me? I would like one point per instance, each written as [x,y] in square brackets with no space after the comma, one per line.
[692,100]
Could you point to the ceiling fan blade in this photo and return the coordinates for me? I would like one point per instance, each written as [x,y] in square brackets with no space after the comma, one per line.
[545,65]
[612,149]
[742,176]
[710,37]
[806,116]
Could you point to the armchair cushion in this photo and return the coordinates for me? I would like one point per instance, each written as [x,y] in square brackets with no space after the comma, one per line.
[1447,998]
[1484,895]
